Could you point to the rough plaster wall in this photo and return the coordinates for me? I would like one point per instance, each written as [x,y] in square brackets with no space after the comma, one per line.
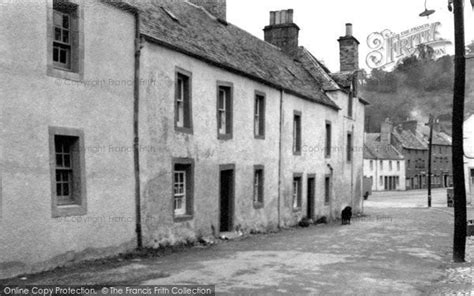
[31,239]
[347,181]
[311,160]
[157,133]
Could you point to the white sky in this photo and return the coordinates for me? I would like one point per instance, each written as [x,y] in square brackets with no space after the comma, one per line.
[323,22]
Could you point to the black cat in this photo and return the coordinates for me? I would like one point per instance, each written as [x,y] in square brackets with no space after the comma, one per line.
[346,215]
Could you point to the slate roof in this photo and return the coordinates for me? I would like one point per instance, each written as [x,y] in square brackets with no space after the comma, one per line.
[374,149]
[439,138]
[409,140]
[344,79]
[329,81]
[319,72]
[189,29]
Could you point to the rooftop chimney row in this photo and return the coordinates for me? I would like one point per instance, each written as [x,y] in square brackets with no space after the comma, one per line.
[282,32]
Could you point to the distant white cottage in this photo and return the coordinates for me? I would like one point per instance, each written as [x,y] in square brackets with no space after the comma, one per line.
[469,157]
[384,165]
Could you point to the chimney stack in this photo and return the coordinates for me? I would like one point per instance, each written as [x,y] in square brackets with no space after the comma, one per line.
[282,32]
[386,132]
[348,51]
[217,8]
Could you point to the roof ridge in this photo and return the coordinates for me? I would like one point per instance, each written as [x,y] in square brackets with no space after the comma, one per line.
[316,62]
[229,47]
[203,9]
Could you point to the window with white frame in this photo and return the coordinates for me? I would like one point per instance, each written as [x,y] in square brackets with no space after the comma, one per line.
[62,45]
[180,192]
[259,116]
[224,111]
[183,188]
[67,172]
[297,190]
[183,108]
[65,39]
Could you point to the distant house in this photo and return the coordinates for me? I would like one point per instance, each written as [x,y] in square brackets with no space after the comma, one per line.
[411,140]
[441,157]
[469,157]
[384,165]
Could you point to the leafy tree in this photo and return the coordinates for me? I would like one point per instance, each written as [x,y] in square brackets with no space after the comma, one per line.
[418,82]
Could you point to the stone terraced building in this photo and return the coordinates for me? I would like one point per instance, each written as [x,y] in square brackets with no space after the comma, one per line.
[143,124]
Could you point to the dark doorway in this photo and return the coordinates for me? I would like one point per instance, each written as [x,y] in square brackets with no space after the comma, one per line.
[310,195]
[226,197]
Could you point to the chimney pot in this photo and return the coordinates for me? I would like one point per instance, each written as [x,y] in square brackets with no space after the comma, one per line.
[290,15]
[272,17]
[348,29]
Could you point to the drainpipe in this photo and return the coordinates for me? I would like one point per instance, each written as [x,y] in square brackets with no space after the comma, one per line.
[376,175]
[331,169]
[279,159]
[136,155]
[352,166]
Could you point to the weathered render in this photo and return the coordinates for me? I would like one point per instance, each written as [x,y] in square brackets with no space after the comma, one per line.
[181,37]
[95,101]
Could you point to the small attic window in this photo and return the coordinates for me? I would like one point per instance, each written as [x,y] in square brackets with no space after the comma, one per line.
[170,14]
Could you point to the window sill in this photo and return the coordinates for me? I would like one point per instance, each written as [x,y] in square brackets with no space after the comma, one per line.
[182,218]
[259,137]
[258,205]
[224,137]
[184,130]
[297,153]
[64,74]
[68,210]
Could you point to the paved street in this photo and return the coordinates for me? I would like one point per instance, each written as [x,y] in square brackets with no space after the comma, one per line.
[396,248]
